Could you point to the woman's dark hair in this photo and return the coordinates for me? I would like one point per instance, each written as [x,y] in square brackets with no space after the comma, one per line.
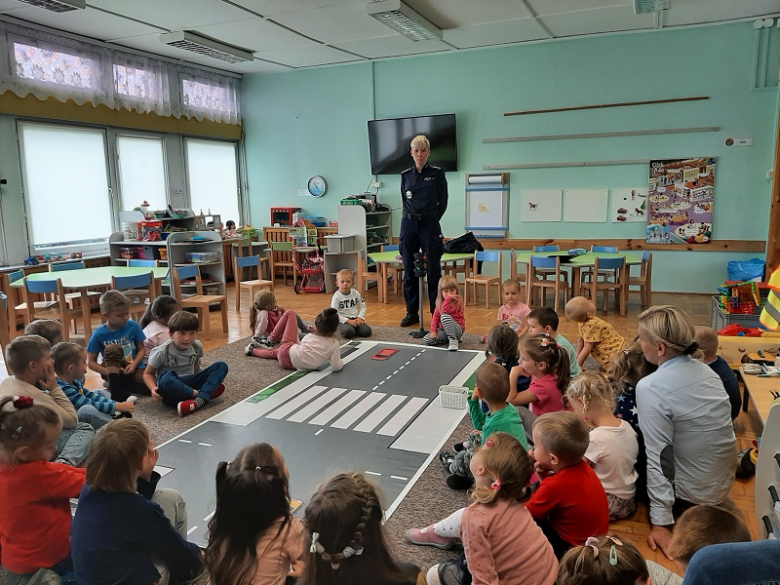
[160,310]
[502,343]
[346,512]
[252,494]
[327,322]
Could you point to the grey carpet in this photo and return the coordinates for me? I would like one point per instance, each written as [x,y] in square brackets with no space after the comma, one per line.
[429,500]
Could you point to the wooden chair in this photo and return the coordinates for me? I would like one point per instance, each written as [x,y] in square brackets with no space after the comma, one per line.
[281,257]
[364,276]
[480,279]
[610,275]
[58,310]
[643,279]
[74,299]
[241,262]
[396,270]
[244,248]
[538,280]
[139,289]
[5,332]
[198,301]
[514,273]
[17,307]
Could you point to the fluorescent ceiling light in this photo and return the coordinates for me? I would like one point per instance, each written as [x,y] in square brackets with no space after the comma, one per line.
[402,19]
[189,41]
[641,6]
[58,5]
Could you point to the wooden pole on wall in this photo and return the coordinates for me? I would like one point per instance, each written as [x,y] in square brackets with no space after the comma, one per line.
[773,237]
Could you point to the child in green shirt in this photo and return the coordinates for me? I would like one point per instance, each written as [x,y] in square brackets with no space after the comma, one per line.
[492,387]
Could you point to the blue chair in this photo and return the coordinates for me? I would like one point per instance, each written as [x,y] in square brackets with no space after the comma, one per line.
[554,248]
[198,300]
[480,279]
[139,288]
[586,274]
[241,262]
[137,262]
[59,309]
[559,283]
[17,308]
[610,275]
[604,249]
[74,299]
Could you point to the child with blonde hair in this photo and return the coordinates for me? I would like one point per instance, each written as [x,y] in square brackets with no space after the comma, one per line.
[253,537]
[34,493]
[448,321]
[686,423]
[548,365]
[264,314]
[613,448]
[604,560]
[497,520]
[351,307]
[597,337]
[345,541]
[514,311]
[707,338]
[49,329]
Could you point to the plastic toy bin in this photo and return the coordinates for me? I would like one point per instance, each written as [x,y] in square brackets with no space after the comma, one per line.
[719,319]
[202,257]
[453,396]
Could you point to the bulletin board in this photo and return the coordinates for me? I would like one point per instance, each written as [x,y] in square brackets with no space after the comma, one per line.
[487,204]
[541,205]
[586,205]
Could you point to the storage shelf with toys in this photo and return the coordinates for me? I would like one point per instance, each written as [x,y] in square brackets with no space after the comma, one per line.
[203,248]
[144,236]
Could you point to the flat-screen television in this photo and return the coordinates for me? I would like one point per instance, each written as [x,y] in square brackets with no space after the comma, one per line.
[389,140]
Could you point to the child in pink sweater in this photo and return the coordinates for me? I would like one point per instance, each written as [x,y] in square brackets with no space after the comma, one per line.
[448,322]
[491,527]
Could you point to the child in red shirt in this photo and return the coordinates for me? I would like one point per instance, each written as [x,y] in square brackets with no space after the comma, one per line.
[448,322]
[34,508]
[569,504]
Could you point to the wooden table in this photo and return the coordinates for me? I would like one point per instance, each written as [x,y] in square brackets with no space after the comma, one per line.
[760,390]
[84,279]
[382,259]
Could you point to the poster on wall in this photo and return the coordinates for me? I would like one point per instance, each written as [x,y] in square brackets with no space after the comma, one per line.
[541,205]
[680,195]
[629,205]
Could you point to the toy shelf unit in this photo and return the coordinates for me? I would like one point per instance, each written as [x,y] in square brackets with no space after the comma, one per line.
[372,229]
[145,239]
[208,222]
[203,248]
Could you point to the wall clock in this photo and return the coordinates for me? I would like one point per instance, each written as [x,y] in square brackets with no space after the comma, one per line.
[317,186]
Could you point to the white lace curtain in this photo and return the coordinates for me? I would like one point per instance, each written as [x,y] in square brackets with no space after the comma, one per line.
[47,65]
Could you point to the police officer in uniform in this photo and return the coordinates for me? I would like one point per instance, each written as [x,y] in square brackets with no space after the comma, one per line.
[424,195]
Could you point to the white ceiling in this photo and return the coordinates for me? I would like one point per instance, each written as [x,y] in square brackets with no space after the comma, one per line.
[289,34]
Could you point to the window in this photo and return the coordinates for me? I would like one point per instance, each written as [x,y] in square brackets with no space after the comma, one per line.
[205,97]
[51,65]
[142,172]
[66,184]
[135,83]
[212,172]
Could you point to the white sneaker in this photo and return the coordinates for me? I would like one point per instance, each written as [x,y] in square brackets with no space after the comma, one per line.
[453,346]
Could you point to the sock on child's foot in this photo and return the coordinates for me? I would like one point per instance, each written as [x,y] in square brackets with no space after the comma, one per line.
[199,402]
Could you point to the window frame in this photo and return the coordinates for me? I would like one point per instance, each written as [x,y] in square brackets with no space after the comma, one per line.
[114,135]
[239,188]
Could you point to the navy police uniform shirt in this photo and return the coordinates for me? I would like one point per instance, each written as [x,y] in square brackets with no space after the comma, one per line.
[424,194]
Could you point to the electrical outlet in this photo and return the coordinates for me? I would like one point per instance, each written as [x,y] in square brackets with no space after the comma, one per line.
[376,184]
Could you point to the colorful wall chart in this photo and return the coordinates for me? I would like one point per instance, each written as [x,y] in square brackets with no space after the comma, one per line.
[680,195]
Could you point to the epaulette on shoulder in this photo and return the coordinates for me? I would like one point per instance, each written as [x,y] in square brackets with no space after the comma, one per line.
[435,167]
[407,170]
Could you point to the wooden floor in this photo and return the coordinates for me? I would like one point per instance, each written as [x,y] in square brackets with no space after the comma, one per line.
[479,320]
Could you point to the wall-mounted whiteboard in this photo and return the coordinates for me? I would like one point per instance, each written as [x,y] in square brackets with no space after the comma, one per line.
[541,205]
[629,205]
[487,213]
[586,205]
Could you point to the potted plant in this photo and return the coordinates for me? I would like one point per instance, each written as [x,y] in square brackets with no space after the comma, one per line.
[248,231]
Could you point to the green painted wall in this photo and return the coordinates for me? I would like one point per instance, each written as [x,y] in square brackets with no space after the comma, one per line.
[314,122]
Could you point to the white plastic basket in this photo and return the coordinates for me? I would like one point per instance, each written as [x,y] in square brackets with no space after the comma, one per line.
[453,396]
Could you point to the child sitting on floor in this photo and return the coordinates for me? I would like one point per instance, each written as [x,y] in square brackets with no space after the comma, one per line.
[345,541]
[49,329]
[604,560]
[120,535]
[570,503]
[447,322]
[94,407]
[120,342]
[502,348]
[253,536]
[696,528]
[34,507]
[613,448]
[496,521]
[548,365]
[492,387]
[513,312]
[351,307]
[154,322]
[173,374]
[311,352]
[263,317]
[545,320]
[597,337]
[707,339]
[29,357]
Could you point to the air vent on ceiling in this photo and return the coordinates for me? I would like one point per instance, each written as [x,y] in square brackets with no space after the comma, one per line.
[196,43]
[402,19]
[641,6]
[58,5]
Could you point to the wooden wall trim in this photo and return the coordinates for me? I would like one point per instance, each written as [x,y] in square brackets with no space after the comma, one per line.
[623,244]
[70,111]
